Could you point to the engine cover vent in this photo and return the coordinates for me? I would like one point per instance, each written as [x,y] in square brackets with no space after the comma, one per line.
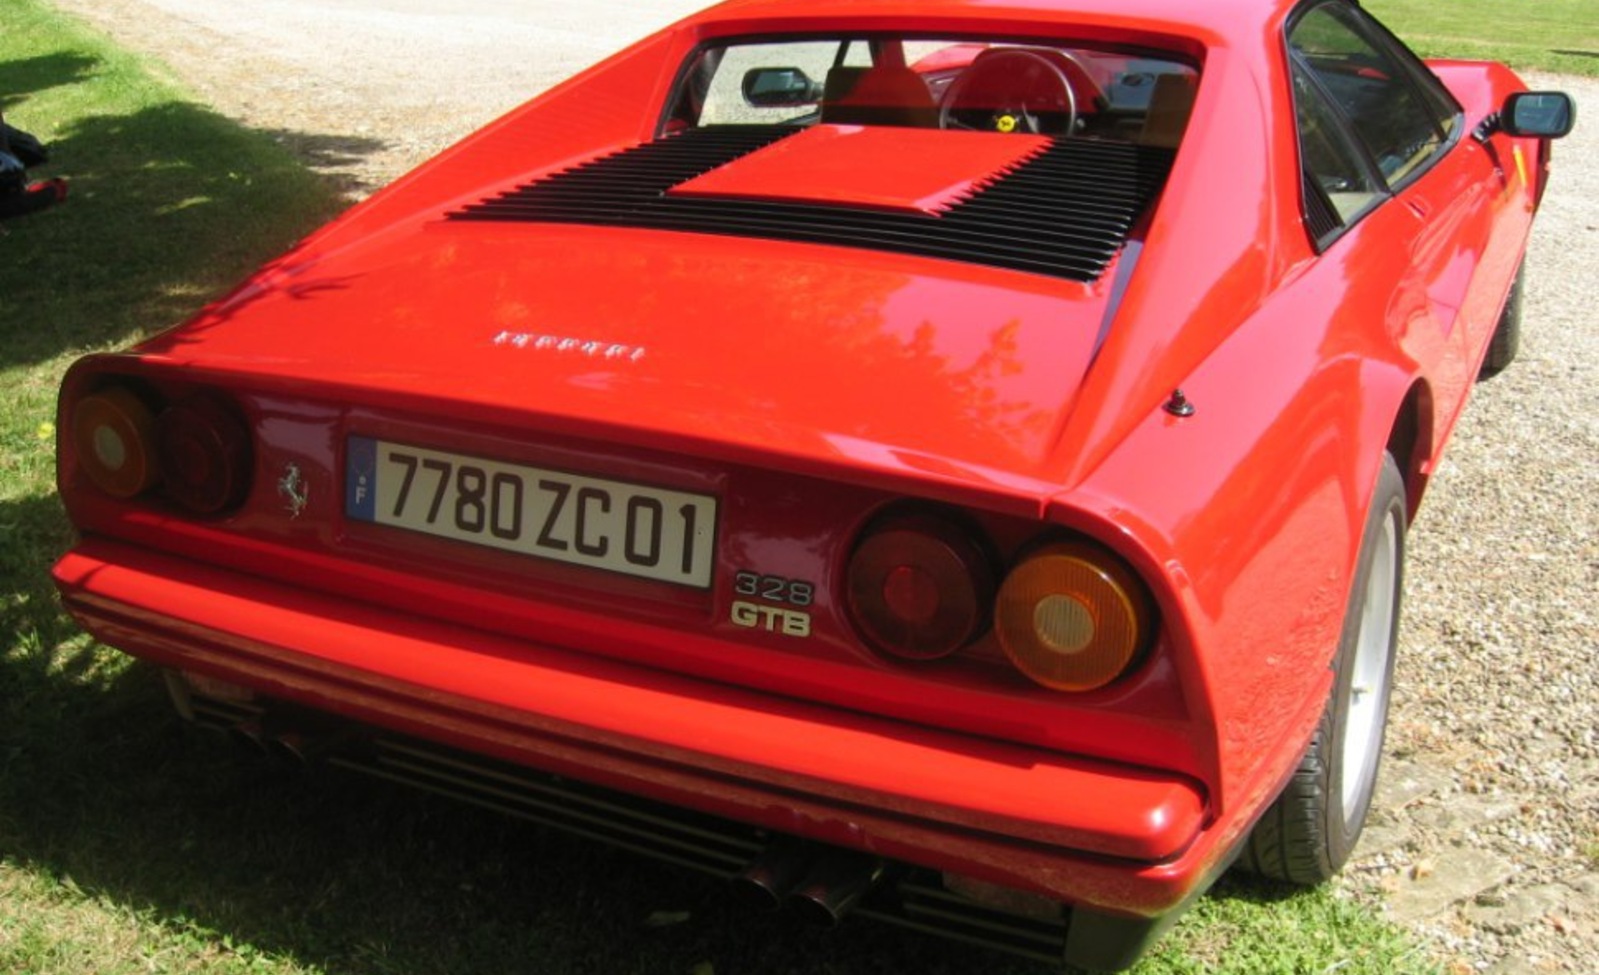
[1065,212]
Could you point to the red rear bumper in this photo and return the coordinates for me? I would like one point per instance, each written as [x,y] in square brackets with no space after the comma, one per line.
[1091,833]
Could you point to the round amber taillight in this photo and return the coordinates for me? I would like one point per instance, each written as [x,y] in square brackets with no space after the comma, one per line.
[113,433]
[1072,617]
[919,588]
[205,454]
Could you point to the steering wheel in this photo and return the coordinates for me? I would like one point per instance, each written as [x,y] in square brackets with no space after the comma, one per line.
[1011,89]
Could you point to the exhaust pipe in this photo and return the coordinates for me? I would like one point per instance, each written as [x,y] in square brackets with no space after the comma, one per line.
[298,749]
[284,743]
[768,881]
[250,736]
[836,883]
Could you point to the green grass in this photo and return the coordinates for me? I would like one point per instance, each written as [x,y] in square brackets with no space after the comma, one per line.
[170,204]
[127,845]
[1549,35]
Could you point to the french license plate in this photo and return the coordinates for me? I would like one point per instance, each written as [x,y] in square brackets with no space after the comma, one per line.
[617,526]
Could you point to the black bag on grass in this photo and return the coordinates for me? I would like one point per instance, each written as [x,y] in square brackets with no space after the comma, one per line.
[18,151]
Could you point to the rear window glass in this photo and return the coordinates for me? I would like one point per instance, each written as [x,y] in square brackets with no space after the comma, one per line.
[956,83]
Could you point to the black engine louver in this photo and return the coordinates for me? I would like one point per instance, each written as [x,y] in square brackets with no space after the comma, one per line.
[1065,212]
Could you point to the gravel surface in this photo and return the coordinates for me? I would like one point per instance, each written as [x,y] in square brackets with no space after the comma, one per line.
[364,90]
[1485,839]
[1487,835]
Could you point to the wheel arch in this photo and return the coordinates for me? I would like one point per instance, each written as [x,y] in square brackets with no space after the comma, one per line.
[1410,441]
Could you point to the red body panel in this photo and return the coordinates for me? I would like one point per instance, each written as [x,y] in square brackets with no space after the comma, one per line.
[914,170]
[843,761]
[809,388]
[973,368]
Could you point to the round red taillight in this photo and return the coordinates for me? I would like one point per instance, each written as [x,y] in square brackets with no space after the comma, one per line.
[205,454]
[919,588]
[1073,617]
[113,434]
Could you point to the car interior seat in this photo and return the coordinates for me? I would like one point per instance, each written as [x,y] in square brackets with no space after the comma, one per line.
[883,94]
[1170,104]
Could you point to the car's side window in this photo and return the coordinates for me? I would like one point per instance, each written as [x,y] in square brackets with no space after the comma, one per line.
[1336,173]
[1349,77]
[1389,110]
[724,101]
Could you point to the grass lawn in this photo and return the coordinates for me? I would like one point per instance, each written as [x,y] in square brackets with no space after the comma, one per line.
[1550,35]
[127,845]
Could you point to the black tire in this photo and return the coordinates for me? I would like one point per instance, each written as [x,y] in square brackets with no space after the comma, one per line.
[1506,341]
[1309,831]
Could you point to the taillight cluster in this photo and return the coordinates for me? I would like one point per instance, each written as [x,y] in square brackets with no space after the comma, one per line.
[1069,614]
[114,434]
[196,449]
[919,588]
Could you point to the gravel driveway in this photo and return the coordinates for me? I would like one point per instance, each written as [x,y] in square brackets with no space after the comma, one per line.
[1486,835]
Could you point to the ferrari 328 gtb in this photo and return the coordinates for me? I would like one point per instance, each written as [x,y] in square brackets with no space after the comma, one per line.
[943,461]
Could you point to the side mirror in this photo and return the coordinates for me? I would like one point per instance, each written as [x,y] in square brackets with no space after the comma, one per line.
[779,88]
[1542,114]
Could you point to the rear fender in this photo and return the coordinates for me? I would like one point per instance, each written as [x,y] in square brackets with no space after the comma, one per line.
[1249,512]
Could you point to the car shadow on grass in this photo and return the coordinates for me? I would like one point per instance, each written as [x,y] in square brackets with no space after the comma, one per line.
[102,785]
[170,205]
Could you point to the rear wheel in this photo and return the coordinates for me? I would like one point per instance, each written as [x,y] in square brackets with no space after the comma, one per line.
[1502,348]
[1311,828]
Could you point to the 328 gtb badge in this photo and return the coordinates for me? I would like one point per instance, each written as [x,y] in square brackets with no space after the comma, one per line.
[780,618]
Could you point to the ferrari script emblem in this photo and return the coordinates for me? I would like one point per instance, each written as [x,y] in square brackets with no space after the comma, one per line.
[592,348]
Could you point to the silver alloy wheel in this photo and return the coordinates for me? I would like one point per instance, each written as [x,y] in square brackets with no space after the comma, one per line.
[1368,693]
[1311,828]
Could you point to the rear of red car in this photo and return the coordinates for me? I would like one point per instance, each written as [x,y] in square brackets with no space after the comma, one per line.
[619,472]
[720,525]
[806,655]
[468,552]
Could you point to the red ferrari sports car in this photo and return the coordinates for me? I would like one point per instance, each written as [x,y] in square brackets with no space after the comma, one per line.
[942,461]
